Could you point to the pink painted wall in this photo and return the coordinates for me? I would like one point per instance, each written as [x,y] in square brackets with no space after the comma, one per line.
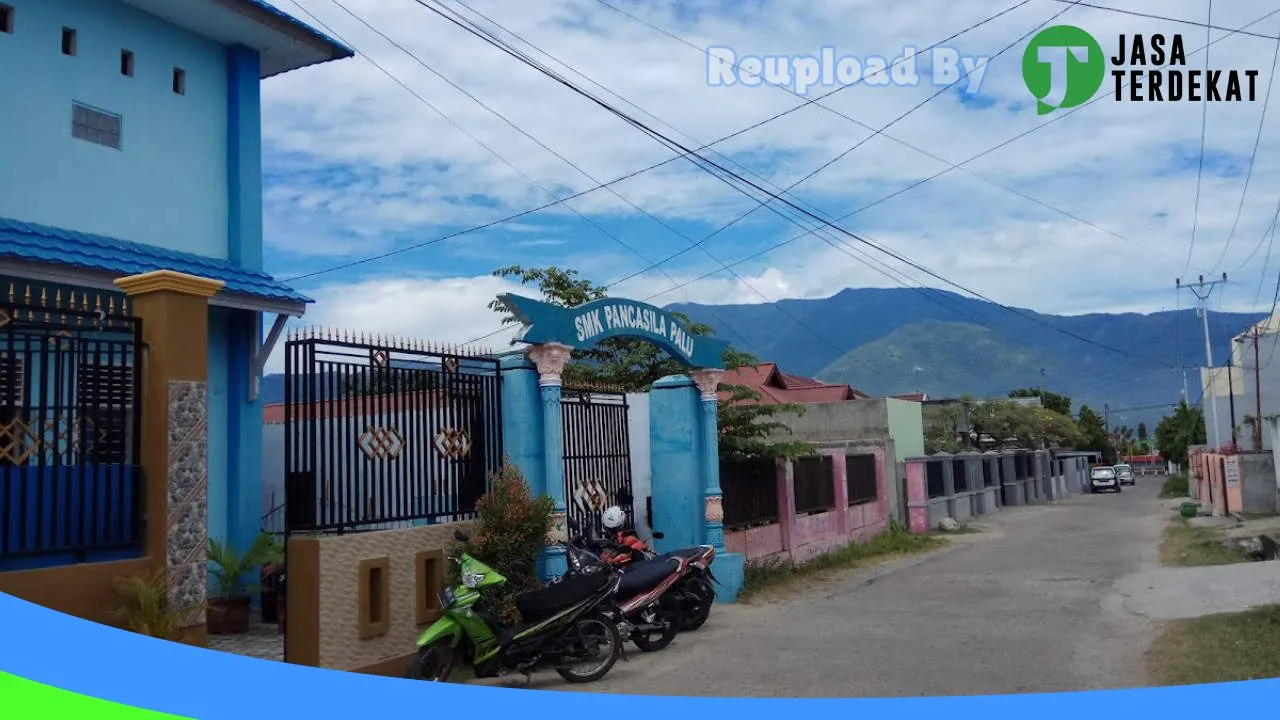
[801,538]
[1212,484]
[756,543]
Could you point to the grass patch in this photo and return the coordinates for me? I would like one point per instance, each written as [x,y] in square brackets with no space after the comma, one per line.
[1185,545]
[776,573]
[1218,648]
[1175,486]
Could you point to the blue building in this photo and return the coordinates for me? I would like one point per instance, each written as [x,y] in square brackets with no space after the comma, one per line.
[132,142]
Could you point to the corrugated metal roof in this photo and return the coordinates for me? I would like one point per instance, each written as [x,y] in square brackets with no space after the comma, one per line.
[43,244]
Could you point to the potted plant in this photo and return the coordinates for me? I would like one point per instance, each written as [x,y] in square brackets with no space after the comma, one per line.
[142,606]
[229,601]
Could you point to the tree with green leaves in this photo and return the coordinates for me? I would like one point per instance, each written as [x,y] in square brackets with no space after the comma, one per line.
[945,427]
[747,429]
[1053,401]
[1093,434]
[1025,426]
[1177,432]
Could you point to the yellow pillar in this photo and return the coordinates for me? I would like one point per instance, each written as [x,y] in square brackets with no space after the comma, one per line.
[174,310]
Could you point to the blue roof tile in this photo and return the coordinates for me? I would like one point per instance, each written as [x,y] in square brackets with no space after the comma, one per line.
[40,243]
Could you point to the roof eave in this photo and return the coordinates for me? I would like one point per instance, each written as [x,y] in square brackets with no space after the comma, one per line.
[104,280]
[292,28]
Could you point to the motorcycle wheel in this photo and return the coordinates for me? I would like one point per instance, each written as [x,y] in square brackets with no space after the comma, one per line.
[433,663]
[668,613]
[598,630]
[699,597]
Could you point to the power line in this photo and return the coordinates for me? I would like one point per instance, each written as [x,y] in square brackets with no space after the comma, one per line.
[863,257]
[1195,23]
[863,141]
[807,102]
[561,157]
[1253,156]
[879,132]
[704,161]
[1204,122]
[493,152]
[531,211]
[866,259]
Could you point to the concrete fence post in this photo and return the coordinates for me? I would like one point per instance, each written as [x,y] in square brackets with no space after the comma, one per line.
[785,474]
[917,496]
[841,490]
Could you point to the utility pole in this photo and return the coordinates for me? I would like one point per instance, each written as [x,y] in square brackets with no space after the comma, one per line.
[1255,334]
[1231,390]
[1185,396]
[1202,290]
[1106,424]
[1041,389]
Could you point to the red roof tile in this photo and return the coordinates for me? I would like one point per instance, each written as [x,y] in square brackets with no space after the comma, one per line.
[776,387]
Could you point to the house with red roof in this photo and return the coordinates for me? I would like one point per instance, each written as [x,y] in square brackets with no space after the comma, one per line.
[779,388]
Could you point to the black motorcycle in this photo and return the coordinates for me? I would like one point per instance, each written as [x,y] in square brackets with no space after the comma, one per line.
[566,624]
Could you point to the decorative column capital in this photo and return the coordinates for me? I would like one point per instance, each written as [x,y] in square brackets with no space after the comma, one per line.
[557,533]
[708,382]
[550,360]
[168,281]
[714,509]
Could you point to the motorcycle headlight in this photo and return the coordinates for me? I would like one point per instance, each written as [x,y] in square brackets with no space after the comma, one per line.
[471,580]
[446,597]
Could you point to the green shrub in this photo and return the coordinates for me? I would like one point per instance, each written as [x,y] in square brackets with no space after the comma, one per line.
[1176,486]
[509,532]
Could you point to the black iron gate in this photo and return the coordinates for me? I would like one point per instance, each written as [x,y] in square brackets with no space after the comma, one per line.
[71,484]
[380,434]
[597,455]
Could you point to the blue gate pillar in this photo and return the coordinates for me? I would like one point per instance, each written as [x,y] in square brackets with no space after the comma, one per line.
[728,567]
[522,433]
[550,360]
[708,381]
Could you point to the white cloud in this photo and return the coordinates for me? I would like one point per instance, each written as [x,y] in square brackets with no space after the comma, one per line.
[361,161]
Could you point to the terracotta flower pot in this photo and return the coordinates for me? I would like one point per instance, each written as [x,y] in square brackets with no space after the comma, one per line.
[228,616]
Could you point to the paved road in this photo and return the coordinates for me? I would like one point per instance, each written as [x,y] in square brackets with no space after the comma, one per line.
[1028,605]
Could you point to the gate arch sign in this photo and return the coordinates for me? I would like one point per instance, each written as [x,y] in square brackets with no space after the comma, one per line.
[585,325]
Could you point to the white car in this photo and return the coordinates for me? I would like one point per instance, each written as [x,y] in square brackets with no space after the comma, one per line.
[1103,479]
[1124,475]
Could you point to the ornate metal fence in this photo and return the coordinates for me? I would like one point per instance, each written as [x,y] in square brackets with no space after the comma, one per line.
[70,480]
[386,432]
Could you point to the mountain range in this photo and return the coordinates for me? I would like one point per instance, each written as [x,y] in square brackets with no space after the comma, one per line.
[902,340]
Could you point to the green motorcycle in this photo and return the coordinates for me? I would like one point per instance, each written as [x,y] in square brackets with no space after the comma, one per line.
[570,624]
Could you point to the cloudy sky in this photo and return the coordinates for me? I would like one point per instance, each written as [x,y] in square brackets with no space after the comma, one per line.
[1093,212]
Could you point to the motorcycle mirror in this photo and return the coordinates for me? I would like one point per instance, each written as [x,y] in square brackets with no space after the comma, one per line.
[461,536]
[658,536]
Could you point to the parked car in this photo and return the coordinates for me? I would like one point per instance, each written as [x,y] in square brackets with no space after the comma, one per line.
[1124,475]
[1103,479]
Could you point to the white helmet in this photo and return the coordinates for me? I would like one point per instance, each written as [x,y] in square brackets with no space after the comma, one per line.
[613,518]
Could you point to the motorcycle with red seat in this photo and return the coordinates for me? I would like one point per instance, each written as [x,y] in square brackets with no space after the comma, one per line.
[694,589]
[649,607]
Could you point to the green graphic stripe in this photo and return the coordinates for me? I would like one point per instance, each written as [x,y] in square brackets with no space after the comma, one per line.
[22,699]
